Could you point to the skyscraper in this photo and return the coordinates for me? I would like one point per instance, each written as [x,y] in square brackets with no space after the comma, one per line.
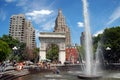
[60,26]
[22,30]
[30,35]
[82,39]
[17,25]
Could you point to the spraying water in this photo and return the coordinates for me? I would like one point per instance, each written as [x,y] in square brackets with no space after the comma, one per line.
[88,40]
[97,65]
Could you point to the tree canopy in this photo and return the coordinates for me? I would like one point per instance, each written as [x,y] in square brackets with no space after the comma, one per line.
[52,52]
[110,38]
[4,50]
[11,42]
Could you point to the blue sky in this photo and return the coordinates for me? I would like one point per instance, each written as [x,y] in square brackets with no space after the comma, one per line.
[42,13]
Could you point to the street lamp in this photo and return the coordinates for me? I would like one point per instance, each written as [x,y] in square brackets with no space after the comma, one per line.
[14,54]
[15,49]
[108,48]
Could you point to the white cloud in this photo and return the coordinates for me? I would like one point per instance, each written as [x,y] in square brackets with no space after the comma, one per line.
[115,15]
[80,24]
[98,32]
[40,12]
[39,16]
[9,1]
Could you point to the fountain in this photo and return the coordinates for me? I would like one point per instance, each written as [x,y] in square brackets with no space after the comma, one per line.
[90,70]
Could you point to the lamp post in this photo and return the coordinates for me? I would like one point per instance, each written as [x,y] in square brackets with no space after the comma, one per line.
[15,49]
[108,49]
[14,53]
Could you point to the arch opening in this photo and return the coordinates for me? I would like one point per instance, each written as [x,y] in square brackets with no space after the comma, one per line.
[52,52]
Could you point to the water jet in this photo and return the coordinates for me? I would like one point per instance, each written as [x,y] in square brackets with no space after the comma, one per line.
[90,63]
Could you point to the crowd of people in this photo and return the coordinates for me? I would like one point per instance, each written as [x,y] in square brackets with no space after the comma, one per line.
[18,66]
[47,65]
[14,64]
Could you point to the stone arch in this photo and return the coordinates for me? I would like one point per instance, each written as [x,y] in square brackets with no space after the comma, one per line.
[52,38]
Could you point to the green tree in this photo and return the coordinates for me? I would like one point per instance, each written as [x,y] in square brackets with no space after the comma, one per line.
[96,39]
[4,50]
[52,52]
[81,53]
[9,40]
[109,38]
[36,54]
[21,50]
[12,43]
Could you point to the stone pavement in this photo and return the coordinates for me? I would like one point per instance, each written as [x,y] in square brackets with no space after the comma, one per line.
[12,74]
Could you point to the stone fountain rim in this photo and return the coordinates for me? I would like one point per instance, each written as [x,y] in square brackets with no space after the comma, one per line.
[84,76]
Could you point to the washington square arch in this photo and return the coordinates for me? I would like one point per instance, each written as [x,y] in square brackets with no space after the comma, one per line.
[47,38]
[60,37]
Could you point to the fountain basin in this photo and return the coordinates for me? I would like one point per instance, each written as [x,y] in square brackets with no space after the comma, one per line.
[83,76]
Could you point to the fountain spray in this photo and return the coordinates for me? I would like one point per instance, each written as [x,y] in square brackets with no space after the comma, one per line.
[88,40]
